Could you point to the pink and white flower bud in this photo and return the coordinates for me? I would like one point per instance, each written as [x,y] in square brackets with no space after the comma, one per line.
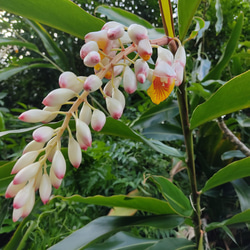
[12,189]
[74,152]
[34,115]
[24,160]
[33,146]
[69,80]
[58,97]
[92,83]
[137,32]
[115,32]
[113,83]
[129,80]
[26,173]
[141,70]
[117,70]
[110,25]
[92,59]
[27,208]
[38,179]
[51,148]
[56,183]
[58,164]
[17,214]
[23,195]
[85,113]
[114,107]
[98,120]
[125,39]
[88,47]
[118,95]
[165,55]
[45,188]
[53,110]
[43,134]
[83,134]
[144,49]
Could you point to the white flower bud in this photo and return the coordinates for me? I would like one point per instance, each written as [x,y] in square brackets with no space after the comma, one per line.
[92,59]
[85,113]
[129,80]
[53,115]
[144,49]
[56,183]
[17,214]
[70,81]
[58,97]
[12,189]
[118,95]
[43,134]
[34,115]
[98,120]
[83,134]
[74,152]
[114,107]
[27,208]
[26,173]
[58,164]
[88,47]
[33,146]
[24,160]
[92,83]
[51,148]
[111,84]
[141,70]
[45,188]
[137,32]
[115,32]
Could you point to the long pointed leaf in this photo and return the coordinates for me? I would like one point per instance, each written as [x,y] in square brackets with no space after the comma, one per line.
[232,96]
[13,41]
[61,14]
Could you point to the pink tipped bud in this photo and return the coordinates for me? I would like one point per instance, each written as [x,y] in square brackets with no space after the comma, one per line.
[144,49]
[34,115]
[114,107]
[92,59]
[137,32]
[43,134]
[45,188]
[129,80]
[26,173]
[74,152]
[27,208]
[85,113]
[53,111]
[114,83]
[88,47]
[92,83]
[12,189]
[24,161]
[115,32]
[58,164]
[118,95]
[98,120]
[17,214]
[33,146]
[83,134]
[70,81]
[165,55]
[56,183]
[58,97]
[141,70]
[23,195]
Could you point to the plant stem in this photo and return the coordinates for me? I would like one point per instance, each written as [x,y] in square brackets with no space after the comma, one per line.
[195,196]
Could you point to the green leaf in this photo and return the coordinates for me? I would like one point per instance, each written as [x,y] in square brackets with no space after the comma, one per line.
[126,18]
[243,217]
[105,225]
[60,14]
[15,131]
[233,171]
[13,41]
[186,11]
[5,73]
[5,176]
[177,200]
[173,244]
[52,48]
[148,204]
[165,111]
[200,24]
[118,128]
[232,96]
[215,73]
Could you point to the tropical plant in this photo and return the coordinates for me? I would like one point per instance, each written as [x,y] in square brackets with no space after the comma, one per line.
[194,116]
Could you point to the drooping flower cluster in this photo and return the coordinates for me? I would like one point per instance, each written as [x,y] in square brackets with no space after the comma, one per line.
[42,164]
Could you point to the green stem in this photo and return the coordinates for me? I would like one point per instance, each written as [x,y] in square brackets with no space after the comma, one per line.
[195,196]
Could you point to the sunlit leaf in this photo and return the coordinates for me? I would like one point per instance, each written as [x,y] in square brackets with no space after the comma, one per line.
[60,14]
[232,96]
[233,171]
[219,15]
